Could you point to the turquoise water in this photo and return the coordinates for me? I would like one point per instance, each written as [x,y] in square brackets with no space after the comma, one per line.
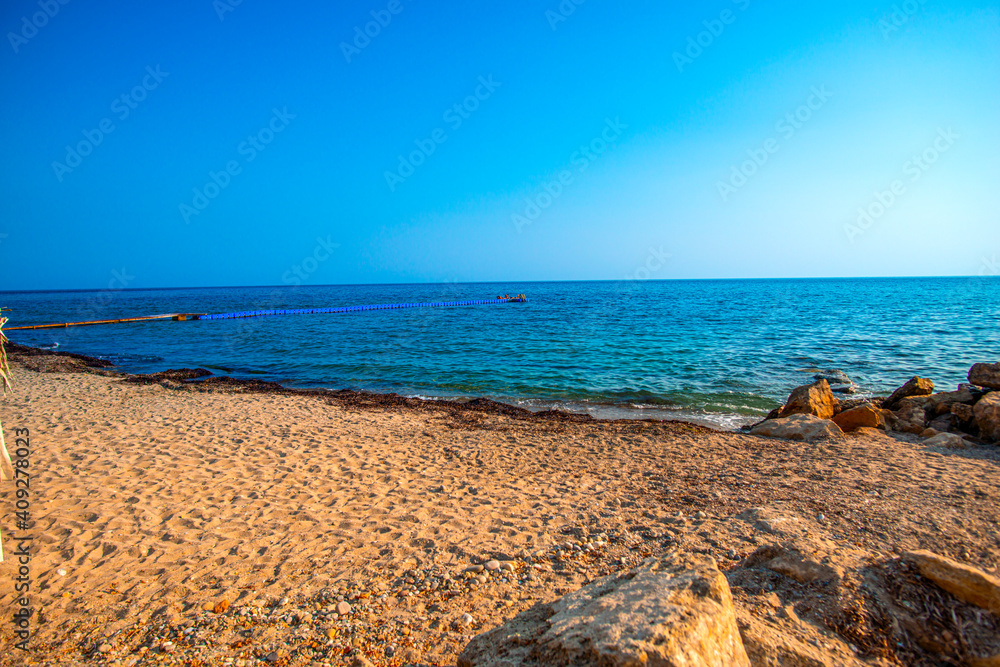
[723,352]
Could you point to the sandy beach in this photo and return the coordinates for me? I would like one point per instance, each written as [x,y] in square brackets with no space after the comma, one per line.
[213,524]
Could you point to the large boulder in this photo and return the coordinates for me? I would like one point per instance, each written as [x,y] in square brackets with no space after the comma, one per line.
[805,428]
[963,581]
[987,413]
[811,399]
[864,416]
[985,375]
[916,386]
[670,611]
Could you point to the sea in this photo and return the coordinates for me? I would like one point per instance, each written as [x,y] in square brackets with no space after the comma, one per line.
[717,352]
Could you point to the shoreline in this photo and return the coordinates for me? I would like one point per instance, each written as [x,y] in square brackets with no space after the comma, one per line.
[202,379]
[244,524]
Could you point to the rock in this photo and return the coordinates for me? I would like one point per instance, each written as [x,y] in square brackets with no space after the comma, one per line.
[807,428]
[669,611]
[833,377]
[343,608]
[947,440]
[911,416]
[916,386]
[463,621]
[104,648]
[792,564]
[946,423]
[813,399]
[839,381]
[987,414]
[865,416]
[493,565]
[967,583]
[985,375]
[474,569]
[221,606]
[767,646]
[977,661]
[361,661]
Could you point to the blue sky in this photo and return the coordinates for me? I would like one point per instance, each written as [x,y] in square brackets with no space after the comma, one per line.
[262,143]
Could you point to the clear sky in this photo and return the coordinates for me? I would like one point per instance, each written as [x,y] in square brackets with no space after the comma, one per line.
[263,143]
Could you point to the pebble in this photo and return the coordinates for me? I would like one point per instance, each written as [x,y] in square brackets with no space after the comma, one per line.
[474,568]
[700,515]
[343,608]
[508,566]
[465,620]
[493,565]
[104,648]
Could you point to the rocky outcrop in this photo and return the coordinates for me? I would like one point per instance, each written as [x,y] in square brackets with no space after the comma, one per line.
[985,375]
[805,428]
[987,415]
[967,583]
[864,416]
[916,386]
[812,399]
[669,611]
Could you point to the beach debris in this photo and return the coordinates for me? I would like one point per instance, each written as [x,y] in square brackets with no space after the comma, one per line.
[915,386]
[985,375]
[864,416]
[987,414]
[812,399]
[806,428]
[672,610]
[965,582]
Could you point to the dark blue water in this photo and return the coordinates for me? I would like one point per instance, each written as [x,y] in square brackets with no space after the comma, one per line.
[720,351]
